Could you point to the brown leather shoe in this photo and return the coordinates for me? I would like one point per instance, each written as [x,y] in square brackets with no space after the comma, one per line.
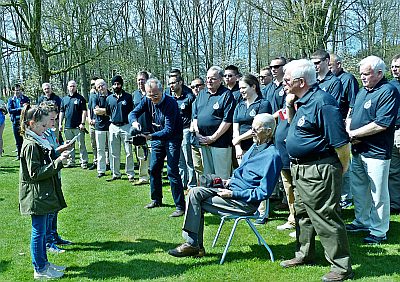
[294,262]
[334,276]
[184,250]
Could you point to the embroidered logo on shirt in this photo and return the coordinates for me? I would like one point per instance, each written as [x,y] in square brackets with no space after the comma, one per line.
[281,93]
[301,121]
[216,106]
[252,113]
[367,105]
[76,102]
[183,106]
[124,103]
[324,88]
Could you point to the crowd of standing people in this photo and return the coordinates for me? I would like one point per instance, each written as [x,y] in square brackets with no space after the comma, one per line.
[303,121]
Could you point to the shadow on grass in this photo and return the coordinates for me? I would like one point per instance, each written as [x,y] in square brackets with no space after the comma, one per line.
[9,170]
[4,264]
[136,269]
[139,246]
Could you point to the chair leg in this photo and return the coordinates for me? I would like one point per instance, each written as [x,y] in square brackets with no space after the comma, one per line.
[230,239]
[218,232]
[261,239]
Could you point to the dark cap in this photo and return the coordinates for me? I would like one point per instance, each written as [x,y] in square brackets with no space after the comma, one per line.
[117,78]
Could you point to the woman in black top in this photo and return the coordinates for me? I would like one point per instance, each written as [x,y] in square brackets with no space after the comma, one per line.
[251,105]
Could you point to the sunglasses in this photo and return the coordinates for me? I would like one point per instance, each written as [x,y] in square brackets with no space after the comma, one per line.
[196,86]
[228,75]
[317,62]
[276,66]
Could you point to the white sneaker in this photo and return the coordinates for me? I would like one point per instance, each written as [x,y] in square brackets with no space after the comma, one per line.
[292,234]
[286,226]
[56,267]
[48,273]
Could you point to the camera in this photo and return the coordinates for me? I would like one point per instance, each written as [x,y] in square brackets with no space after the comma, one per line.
[136,138]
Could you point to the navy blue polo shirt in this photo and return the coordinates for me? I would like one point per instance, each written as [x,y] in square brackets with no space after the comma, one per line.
[14,107]
[118,108]
[236,93]
[102,121]
[317,127]
[272,90]
[166,119]
[396,84]
[379,105]
[72,107]
[281,133]
[350,90]
[331,84]
[53,97]
[244,117]
[278,99]
[185,102]
[145,118]
[264,89]
[211,110]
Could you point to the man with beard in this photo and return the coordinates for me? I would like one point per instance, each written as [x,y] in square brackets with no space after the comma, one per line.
[118,106]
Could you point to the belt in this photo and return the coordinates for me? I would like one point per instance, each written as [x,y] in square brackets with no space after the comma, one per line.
[313,158]
[119,123]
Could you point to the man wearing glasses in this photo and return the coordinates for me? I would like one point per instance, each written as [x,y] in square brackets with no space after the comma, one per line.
[102,125]
[166,138]
[212,120]
[231,77]
[319,151]
[242,193]
[327,81]
[197,85]
[274,92]
[265,78]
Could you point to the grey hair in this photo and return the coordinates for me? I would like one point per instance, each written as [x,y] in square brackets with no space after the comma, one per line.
[336,58]
[302,68]
[46,84]
[267,121]
[217,69]
[376,63]
[155,81]
[100,81]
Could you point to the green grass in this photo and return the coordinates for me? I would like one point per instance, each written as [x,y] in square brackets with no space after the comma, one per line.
[116,239]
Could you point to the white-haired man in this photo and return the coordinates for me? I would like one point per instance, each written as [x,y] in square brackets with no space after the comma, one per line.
[371,126]
[319,151]
[241,195]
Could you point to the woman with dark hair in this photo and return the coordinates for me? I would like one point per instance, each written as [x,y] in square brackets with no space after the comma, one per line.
[40,186]
[251,104]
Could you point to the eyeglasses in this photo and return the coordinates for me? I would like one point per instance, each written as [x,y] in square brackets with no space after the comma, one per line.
[173,82]
[196,86]
[317,62]
[287,80]
[276,66]
[228,75]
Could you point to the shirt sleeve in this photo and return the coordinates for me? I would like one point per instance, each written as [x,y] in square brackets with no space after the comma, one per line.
[331,122]
[229,107]
[387,108]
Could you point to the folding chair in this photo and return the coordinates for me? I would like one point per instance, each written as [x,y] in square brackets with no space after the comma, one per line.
[247,218]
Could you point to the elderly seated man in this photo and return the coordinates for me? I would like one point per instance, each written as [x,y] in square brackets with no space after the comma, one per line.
[252,182]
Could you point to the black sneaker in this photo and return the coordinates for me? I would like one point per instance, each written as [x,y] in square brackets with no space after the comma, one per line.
[93,166]
[354,228]
[373,240]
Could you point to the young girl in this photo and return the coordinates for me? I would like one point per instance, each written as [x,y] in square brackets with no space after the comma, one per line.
[40,187]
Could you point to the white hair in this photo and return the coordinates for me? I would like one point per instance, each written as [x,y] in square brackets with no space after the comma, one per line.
[376,63]
[155,81]
[46,84]
[266,120]
[100,81]
[302,69]
[217,69]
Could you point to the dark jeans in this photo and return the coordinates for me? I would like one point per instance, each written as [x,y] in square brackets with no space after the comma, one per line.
[171,149]
[17,136]
[51,229]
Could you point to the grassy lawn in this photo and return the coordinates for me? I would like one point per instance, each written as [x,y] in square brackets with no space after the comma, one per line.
[116,239]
